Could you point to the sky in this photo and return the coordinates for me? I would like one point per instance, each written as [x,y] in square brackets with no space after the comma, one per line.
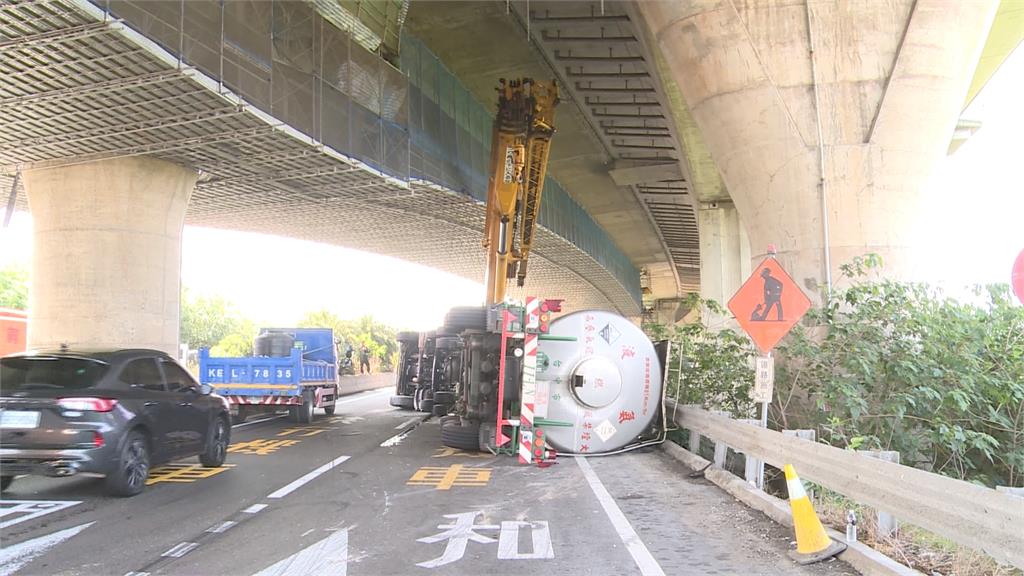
[970,230]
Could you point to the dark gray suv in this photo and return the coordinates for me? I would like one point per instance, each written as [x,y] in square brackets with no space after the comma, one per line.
[110,412]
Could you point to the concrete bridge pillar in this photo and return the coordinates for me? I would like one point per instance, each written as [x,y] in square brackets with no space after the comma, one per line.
[843,135]
[106,254]
[724,251]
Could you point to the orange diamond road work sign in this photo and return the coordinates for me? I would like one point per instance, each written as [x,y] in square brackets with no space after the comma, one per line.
[768,304]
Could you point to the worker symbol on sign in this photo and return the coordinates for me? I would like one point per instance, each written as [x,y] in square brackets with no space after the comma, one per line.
[772,298]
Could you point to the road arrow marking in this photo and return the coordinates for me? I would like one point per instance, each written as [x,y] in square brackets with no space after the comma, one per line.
[12,558]
[23,510]
[328,556]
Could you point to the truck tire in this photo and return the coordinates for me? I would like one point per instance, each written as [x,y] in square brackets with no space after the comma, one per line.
[403,402]
[303,414]
[462,436]
[447,343]
[240,415]
[444,397]
[427,405]
[329,410]
[408,336]
[440,410]
[465,318]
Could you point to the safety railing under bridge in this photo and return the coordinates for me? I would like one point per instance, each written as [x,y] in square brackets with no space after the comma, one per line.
[307,71]
[975,516]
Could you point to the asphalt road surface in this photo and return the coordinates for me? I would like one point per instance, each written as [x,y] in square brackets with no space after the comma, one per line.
[370,491]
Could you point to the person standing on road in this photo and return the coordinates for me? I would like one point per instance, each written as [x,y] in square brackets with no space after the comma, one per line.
[364,359]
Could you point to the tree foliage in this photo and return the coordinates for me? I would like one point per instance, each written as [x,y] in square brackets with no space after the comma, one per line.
[14,288]
[897,366]
[365,331]
[206,320]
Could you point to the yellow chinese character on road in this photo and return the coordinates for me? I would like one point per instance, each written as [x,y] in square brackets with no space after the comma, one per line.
[183,473]
[447,451]
[302,431]
[260,447]
[445,478]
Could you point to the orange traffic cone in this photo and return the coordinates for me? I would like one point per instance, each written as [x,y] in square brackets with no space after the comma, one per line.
[812,543]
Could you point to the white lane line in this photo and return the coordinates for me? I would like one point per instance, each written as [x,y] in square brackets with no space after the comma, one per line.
[254,508]
[281,493]
[14,557]
[136,574]
[222,527]
[641,555]
[180,550]
[328,556]
[363,396]
[250,423]
[408,422]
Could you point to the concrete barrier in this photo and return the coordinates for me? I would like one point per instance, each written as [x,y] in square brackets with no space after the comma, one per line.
[362,382]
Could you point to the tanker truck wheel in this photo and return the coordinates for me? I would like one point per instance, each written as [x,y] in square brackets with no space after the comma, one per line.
[403,402]
[462,436]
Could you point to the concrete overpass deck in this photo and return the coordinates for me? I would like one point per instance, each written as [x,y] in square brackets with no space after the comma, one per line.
[309,161]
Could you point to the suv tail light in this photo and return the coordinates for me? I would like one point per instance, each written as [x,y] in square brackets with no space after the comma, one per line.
[87,404]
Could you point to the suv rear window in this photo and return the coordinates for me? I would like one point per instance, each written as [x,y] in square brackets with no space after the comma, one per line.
[49,373]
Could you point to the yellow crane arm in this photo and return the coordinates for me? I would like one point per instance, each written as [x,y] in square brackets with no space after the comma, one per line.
[519,156]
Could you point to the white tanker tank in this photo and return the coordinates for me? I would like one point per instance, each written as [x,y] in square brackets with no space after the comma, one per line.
[603,381]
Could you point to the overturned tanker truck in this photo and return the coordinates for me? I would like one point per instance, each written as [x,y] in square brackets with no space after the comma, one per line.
[510,377]
[586,382]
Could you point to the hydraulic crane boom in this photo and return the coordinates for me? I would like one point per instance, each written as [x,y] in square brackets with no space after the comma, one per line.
[519,157]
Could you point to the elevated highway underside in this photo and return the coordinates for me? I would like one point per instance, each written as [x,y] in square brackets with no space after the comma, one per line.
[77,85]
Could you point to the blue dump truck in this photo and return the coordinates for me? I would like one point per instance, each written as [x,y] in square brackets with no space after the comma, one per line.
[290,367]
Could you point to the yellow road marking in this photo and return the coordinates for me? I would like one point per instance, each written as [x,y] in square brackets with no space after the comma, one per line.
[183,473]
[446,452]
[303,431]
[260,447]
[445,478]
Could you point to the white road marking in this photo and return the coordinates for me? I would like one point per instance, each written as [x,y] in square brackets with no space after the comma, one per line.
[408,422]
[136,574]
[12,558]
[281,493]
[251,422]
[180,550]
[328,556]
[306,533]
[364,396]
[254,508]
[641,555]
[508,541]
[29,509]
[222,527]
[396,439]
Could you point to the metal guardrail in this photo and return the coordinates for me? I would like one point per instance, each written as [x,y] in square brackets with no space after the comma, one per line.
[981,518]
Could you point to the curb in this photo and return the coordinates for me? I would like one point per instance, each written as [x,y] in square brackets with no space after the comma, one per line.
[860,556]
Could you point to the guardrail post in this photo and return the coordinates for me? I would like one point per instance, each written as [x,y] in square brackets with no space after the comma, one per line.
[695,442]
[752,466]
[721,448]
[888,525]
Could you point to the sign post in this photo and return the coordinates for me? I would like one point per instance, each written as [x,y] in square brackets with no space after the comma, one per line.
[767,306]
